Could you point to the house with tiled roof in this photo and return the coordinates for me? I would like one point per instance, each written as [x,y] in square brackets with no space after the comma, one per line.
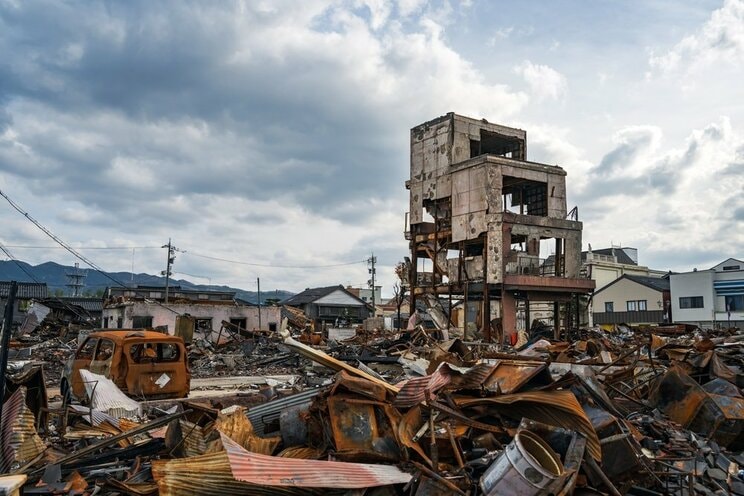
[332,305]
[633,299]
[26,292]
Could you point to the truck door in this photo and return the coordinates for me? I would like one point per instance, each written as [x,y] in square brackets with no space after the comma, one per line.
[82,360]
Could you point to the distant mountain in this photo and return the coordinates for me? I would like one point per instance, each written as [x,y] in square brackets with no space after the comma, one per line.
[55,276]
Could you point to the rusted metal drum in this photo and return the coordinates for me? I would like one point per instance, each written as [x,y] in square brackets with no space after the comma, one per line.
[527,467]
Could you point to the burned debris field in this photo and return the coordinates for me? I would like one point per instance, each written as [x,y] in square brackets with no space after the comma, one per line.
[500,367]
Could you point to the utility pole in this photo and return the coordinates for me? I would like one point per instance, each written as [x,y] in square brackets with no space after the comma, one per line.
[167,272]
[6,328]
[371,261]
[258,282]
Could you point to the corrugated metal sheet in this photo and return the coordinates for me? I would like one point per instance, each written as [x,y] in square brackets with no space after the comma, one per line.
[21,443]
[269,412]
[107,397]
[506,375]
[194,439]
[94,417]
[559,408]
[303,452]
[474,377]
[211,474]
[420,389]
[264,470]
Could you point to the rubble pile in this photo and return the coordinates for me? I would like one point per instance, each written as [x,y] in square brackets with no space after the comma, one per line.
[52,343]
[632,412]
[249,356]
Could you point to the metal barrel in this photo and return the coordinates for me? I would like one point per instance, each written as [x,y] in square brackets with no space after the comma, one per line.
[527,467]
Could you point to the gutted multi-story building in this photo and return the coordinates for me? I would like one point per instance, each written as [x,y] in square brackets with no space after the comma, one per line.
[483,219]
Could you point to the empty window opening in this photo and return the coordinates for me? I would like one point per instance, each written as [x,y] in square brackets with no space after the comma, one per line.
[205,324]
[105,350]
[142,322]
[525,197]
[473,250]
[86,351]
[241,322]
[154,352]
[491,143]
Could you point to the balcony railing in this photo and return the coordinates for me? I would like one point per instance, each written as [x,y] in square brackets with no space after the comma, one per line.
[527,265]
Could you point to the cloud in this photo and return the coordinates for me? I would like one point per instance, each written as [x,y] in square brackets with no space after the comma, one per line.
[218,120]
[719,40]
[208,93]
[630,144]
[674,204]
[543,81]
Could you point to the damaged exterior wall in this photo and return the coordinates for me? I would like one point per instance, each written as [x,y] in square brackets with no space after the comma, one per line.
[121,315]
[479,211]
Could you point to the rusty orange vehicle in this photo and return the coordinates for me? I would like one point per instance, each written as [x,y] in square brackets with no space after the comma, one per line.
[143,364]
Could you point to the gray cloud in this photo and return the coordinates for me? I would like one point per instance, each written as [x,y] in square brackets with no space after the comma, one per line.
[278,127]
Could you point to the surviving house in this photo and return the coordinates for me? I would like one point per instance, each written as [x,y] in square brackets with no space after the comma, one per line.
[632,299]
[331,305]
[710,298]
[145,307]
[606,265]
[365,294]
[482,220]
[26,292]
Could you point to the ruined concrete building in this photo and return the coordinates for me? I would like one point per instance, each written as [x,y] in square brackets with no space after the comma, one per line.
[482,216]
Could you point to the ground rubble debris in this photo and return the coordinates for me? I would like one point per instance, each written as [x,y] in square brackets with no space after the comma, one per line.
[632,411]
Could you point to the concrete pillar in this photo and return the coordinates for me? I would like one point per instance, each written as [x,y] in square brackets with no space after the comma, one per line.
[508,314]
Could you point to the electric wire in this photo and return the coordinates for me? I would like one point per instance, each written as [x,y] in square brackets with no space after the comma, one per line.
[74,253]
[254,264]
[34,279]
[51,247]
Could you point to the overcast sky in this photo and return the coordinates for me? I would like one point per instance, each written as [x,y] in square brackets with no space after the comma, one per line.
[276,132]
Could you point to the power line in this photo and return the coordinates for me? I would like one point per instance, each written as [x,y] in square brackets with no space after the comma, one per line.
[51,247]
[253,264]
[31,276]
[67,247]
[17,263]
[200,255]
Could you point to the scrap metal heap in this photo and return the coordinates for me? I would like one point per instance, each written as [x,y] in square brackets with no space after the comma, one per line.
[631,412]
